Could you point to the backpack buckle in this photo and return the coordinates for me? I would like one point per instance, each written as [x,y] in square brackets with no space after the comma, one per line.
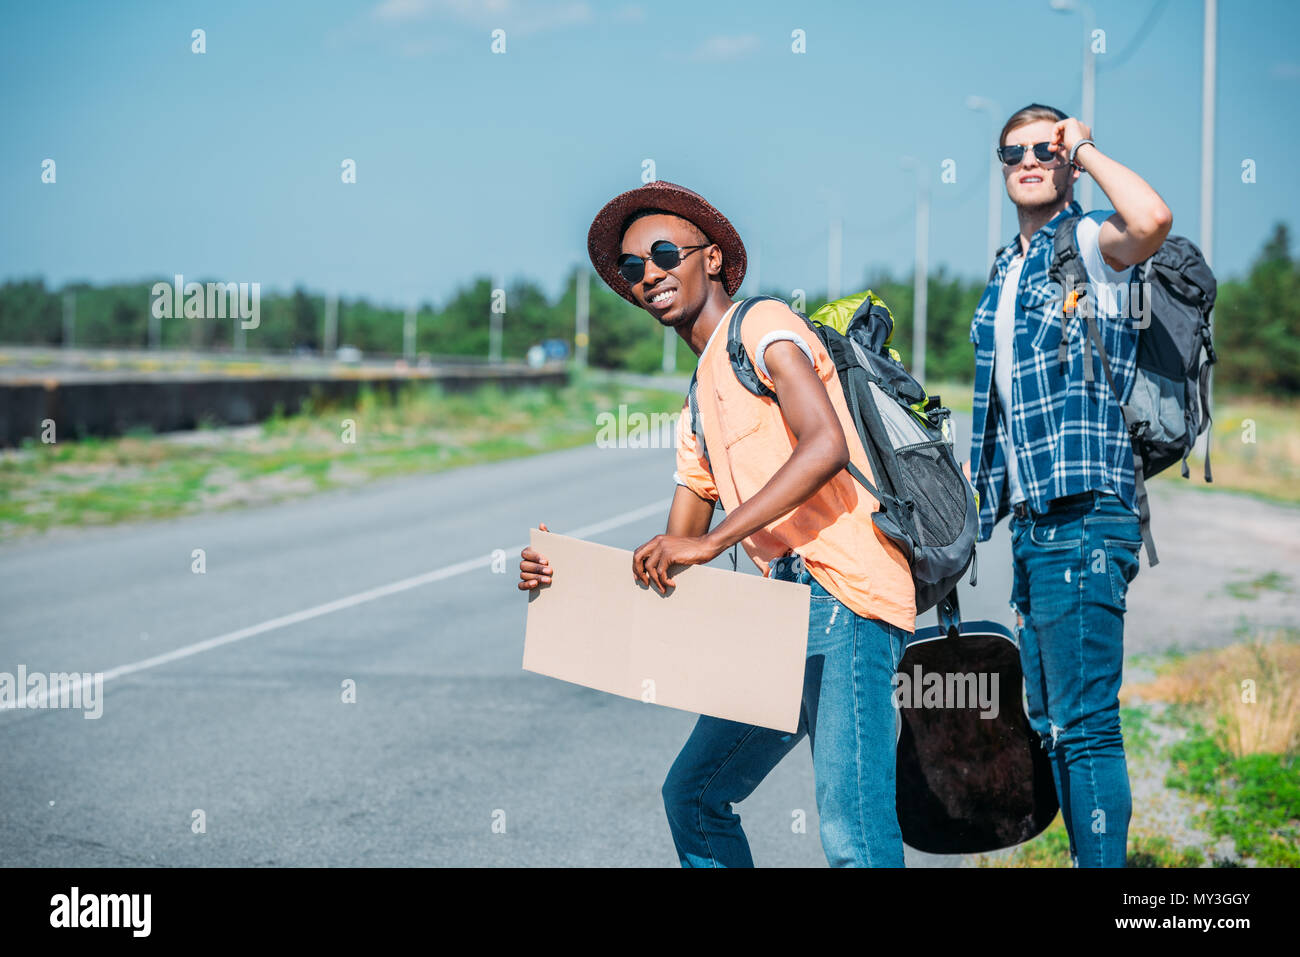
[1071,302]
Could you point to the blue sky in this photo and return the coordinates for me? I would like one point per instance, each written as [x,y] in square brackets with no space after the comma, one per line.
[227,164]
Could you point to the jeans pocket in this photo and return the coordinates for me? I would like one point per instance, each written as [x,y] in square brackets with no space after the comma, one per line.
[1054,535]
[818,591]
[1017,530]
[1123,558]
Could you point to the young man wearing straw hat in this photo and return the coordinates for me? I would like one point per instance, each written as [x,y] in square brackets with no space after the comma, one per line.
[779,471]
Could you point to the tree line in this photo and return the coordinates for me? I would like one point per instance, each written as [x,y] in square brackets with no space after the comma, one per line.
[1257,322]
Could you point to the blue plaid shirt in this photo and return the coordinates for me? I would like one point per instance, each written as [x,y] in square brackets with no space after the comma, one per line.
[1069,434]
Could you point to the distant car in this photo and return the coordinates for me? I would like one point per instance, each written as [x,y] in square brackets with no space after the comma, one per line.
[556,349]
[349,354]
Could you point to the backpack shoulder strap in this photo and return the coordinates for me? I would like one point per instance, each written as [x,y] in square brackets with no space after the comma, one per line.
[993,270]
[1066,261]
[740,361]
[1067,269]
[693,405]
[744,369]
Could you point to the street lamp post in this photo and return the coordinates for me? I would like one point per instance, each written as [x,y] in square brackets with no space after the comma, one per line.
[920,270]
[834,259]
[1207,129]
[496,318]
[1208,80]
[995,176]
[408,334]
[1089,80]
[581,317]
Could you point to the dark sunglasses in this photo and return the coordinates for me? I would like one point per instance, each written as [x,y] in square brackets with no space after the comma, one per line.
[666,255]
[1012,155]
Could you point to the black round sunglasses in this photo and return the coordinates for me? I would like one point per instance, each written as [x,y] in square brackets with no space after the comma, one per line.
[665,254]
[1012,155]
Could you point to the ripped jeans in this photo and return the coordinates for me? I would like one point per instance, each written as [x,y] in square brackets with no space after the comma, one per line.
[852,726]
[1072,568]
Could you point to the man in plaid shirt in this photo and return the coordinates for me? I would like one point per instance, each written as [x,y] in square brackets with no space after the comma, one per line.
[1049,448]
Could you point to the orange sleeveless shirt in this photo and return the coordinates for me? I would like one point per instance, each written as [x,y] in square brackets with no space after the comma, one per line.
[748,441]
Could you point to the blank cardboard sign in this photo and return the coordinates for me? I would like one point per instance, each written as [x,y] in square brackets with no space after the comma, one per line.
[719,643]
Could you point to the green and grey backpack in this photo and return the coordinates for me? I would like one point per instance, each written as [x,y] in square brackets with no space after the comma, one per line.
[1169,406]
[927,506]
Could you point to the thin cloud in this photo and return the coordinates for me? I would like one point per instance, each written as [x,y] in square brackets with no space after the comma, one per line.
[727,47]
[401,11]
[513,16]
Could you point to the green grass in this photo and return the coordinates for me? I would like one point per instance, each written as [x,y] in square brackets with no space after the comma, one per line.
[420,430]
[1135,725]
[1254,449]
[1235,760]
[1154,850]
[1052,849]
[954,395]
[1049,849]
[1254,799]
[1250,589]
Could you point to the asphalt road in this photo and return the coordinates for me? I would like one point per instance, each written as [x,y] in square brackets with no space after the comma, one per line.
[243,718]
[224,691]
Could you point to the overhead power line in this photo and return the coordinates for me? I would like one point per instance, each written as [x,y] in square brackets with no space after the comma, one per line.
[1123,56]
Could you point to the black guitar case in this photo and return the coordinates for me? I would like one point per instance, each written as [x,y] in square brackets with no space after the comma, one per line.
[968,784]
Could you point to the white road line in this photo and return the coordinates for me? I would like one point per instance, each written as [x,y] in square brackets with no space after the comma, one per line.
[351,601]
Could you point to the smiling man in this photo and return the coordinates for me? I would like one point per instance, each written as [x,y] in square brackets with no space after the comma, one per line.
[1050,448]
[779,470]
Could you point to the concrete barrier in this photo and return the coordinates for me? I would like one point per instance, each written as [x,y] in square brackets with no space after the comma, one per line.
[111,405]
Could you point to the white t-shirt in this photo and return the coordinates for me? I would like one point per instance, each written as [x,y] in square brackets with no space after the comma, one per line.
[1110,293]
[1110,288]
[1004,333]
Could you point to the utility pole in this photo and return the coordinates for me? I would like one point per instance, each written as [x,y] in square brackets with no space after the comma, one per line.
[70,319]
[497,309]
[408,335]
[920,268]
[331,325]
[581,319]
[834,260]
[995,176]
[921,279]
[1089,81]
[1208,80]
[155,330]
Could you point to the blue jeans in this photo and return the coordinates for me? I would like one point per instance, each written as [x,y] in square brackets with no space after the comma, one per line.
[851,723]
[1072,568]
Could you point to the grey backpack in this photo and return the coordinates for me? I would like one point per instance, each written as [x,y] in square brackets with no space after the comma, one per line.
[927,506]
[1169,406]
